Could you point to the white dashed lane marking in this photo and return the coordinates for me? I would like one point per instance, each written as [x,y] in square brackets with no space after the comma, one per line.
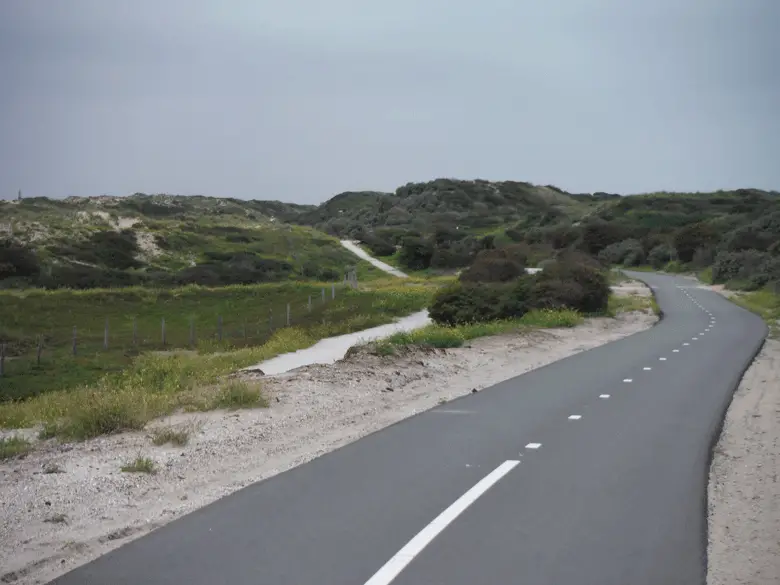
[604,396]
[398,562]
[533,445]
[575,417]
[675,351]
[646,368]
[627,380]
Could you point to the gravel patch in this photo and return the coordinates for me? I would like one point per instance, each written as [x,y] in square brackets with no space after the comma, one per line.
[744,493]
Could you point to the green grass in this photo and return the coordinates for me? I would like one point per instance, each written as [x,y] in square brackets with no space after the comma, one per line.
[140,465]
[237,394]
[250,316]
[13,447]
[705,275]
[154,384]
[631,303]
[764,303]
[442,336]
[177,436]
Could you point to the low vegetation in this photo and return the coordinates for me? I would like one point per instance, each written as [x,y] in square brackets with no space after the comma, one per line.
[177,436]
[154,384]
[245,316]
[221,272]
[13,447]
[140,465]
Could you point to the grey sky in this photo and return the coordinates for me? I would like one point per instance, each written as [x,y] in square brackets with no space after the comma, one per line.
[300,99]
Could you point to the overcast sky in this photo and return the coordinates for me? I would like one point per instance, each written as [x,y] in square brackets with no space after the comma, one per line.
[301,99]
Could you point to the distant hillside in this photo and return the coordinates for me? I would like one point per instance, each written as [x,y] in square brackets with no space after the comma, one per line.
[160,239]
[440,225]
[471,205]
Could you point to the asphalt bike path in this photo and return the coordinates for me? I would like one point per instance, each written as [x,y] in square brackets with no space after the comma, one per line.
[591,470]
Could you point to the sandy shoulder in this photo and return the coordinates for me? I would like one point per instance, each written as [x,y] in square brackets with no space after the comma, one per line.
[53,522]
[744,490]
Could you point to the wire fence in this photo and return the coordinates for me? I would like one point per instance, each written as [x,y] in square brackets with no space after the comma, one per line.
[128,336]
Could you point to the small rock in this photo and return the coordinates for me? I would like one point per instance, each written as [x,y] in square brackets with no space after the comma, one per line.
[47,502]
[389,389]
[473,390]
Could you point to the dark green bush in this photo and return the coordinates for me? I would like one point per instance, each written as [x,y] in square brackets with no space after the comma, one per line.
[497,265]
[751,267]
[17,261]
[475,302]
[660,256]
[573,284]
[626,253]
[416,253]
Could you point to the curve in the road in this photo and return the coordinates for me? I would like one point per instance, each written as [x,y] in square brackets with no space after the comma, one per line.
[591,470]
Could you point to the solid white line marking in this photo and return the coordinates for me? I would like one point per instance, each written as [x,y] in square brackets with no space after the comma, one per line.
[533,445]
[575,417]
[403,557]
[603,395]
[627,380]
[647,368]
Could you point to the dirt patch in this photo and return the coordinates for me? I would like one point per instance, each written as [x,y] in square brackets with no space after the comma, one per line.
[743,502]
[314,410]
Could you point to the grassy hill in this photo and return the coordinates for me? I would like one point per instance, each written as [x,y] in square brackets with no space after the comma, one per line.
[161,240]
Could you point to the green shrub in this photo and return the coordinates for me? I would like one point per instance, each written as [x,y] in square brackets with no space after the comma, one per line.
[17,261]
[660,255]
[627,253]
[497,265]
[416,253]
[461,303]
[572,284]
[751,268]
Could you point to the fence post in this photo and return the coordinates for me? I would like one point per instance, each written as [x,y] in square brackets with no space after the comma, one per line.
[192,331]
[333,291]
[309,305]
[288,314]
[270,319]
[244,329]
[219,327]
[135,331]
[39,350]
[2,359]
[163,331]
[74,343]
[105,335]
[323,296]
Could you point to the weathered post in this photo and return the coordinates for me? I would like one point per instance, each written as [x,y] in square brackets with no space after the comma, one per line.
[74,343]
[135,331]
[309,305]
[105,335]
[323,296]
[39,350]
[162,326]
[219,327]
[192,332]
[270,320]
[333,290]
[2,359]
[288,314]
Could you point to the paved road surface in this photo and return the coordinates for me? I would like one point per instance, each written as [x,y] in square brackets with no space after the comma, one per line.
[501,487]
